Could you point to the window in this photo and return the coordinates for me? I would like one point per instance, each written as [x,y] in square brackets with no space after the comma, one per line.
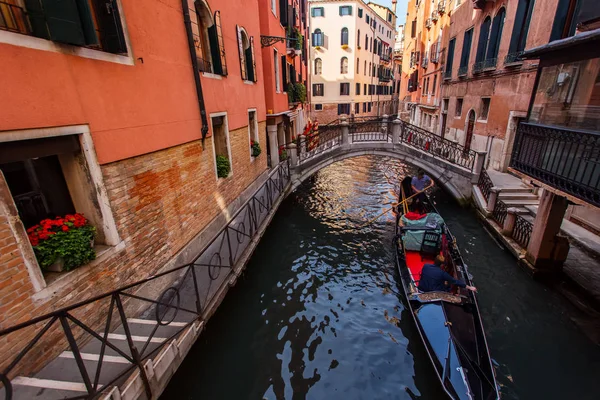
[413,29]
[367,42]
[277,78]
[450,58]
[565,20]
[317,11]
[344,89]
[344,65]
[365,69]
[318,38]
[365,89]
[358,40]
[220,141]
[357,65]
[370,69]
[208,40]
[434,84]
[78,23]
[318,107]
[494,41]
[368,19]
[344,39]
[445,103]
[360,13]
[285,78]
[357,89]
[252,128]
[484,33]
[520,30]
[485,108]
[344,109]
[246,50]
[370,105]
[466,52]
[318,89]
[458,111]
[364,107]
[389,17]
[356,108]
[274,6]
[345,10]
[318,66]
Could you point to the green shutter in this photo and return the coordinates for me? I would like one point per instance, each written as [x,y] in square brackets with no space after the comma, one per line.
[87,21]
[35,12]
[64,24]
[312,12]
[495,36]
[350,9]
[484,32]
[219,34]
[109,24]
[214,50]
[284,69]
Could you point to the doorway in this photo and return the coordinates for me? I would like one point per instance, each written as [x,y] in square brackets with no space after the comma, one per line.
[470,128]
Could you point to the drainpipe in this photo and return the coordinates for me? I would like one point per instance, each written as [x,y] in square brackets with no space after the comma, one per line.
[188,29]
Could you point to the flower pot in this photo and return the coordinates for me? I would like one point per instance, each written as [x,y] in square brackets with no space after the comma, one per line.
[57,266]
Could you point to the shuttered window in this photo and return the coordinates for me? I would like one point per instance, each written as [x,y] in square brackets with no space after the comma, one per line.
[344,39]
[317,12]
[318,38]
[495,36]
[283,12]
[217,49]
[466,50]
[345,10]
[318,89]
[520,29]
[450,58]
[344,89]
[284,69]
[357,89]
[484,33]
[242,53]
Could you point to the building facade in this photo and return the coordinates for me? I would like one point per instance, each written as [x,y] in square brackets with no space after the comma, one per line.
[486,85]
[426,22]
[351,47]
[144,131]
[284,27]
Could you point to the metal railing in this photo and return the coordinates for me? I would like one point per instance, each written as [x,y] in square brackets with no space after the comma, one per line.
[490,63]
[500,212]
[566,159]
[513,57]
[167,302]
[439,147]
[370,131]
[478,67]
[522,231]
[485,184]
[328,137]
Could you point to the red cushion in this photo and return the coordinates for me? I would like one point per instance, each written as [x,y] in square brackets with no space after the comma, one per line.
[413,216]
[415,264]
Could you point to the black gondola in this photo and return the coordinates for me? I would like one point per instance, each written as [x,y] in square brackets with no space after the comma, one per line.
[449,323]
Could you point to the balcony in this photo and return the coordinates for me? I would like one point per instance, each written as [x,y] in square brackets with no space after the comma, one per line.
[384,78]
[513,58]
[385,57]
[490,64]
[441,7]
[434,16]
[448,75]
[462,71]
[478,67]
[425,63]
[428,23]
[566,159]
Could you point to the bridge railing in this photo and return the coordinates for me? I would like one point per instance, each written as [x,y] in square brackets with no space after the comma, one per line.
[445,149]
[133,324]
[375,130]
[328,137]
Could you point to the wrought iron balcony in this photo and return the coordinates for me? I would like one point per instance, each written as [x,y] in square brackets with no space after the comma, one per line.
[448,74]
[462,71]
[434,16]
[563,158]
[478,67]
[490,63]
[512,58]
[441,7]
[425,63]
[428,23]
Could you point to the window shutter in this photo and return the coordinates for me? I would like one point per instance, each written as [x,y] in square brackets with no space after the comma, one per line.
[560,20]
[484,32]
[494,43]
[241,53]
[450,58]
[312,12]
[35,12]
[109,23]
[350,8]
[253,58]
[284,71]
[292,74]
[340,15]
[312,39]
[221,61]
[466,50]
[283,12]
[63,21]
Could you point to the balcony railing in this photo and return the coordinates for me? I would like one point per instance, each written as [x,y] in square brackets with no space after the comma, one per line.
[442,7]
[434,16]
[566,159]
[448,74]
[490,63]
[513,57]
[478,67]
[425,63]
[462,71]
[428,23]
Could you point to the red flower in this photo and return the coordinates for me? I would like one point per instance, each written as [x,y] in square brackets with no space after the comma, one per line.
[65,228]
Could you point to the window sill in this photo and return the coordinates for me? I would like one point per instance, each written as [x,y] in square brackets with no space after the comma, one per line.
[249,82]
[32,42]
[482,121]
[210,75]
[513,64]
[57,281]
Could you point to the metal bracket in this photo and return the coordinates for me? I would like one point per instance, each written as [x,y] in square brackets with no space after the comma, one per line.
[266,41]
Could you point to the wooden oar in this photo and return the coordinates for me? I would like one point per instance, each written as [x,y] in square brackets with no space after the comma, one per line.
[394,205]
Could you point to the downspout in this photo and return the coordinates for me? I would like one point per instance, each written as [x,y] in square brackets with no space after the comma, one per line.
[190,37]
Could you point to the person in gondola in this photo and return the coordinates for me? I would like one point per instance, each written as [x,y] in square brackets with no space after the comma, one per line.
[435,279]
[418,184]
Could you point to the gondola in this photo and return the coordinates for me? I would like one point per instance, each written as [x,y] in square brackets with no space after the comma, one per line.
[449,323]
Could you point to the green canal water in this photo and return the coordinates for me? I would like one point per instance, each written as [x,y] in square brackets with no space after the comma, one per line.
[318,313]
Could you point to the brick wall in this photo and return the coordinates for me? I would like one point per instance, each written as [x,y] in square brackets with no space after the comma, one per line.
[330,111]
[160,201]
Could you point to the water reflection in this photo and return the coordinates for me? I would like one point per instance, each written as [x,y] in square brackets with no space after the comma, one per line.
[318,315]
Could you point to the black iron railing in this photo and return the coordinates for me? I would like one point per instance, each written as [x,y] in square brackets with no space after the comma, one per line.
[439,147]
[370,131]
[448,74]
[513,57]
[485,184]
[566,159]
[500,212]
[522,231]
[490,63]
[166,304]
[328,138]
[478,67]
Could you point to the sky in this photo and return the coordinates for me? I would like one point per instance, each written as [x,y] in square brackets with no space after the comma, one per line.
[400,9]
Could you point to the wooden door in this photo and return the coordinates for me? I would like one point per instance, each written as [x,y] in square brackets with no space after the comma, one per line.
[470,128]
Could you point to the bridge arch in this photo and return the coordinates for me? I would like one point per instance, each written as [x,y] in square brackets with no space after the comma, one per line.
[455,180]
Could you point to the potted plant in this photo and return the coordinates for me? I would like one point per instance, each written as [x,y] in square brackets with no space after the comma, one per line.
[63,243]
[282,153]
[223,167]
[255,148]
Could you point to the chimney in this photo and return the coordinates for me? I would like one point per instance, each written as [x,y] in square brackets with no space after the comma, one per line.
[394,3]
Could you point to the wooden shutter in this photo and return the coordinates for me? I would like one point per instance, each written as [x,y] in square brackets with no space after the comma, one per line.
[466,50]
[241,53]
[283,12]
[253,58]
[292,74]
[221,59]
[450,57]
[284,72]
[560,21]
[484,32]
[64,21]
[312,12]
[109,23]
[35,12]
[495,35]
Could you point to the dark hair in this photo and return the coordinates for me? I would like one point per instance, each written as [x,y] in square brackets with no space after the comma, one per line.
[439,260]
[420,172]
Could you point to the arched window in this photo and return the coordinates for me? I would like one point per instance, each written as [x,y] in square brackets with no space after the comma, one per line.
[208,40]
[246,50]
[358,39]
[484,34]
[494,42]
[344,36]
[318,66]
[344,65]
[318,38]
[520,30]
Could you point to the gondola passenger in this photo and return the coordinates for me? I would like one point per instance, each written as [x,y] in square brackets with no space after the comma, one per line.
[435,279]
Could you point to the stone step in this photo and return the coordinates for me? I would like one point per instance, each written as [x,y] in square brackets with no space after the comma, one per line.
[520,203]
[515,189]
[517,196]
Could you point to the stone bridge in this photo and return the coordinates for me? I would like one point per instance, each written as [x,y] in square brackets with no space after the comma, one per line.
[451,165]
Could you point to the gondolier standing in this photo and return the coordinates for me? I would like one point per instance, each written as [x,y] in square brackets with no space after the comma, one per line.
[418,184]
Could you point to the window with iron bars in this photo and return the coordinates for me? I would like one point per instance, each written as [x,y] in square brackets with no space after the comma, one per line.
[95,24]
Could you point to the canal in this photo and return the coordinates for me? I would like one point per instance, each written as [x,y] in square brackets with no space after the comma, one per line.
[318,312]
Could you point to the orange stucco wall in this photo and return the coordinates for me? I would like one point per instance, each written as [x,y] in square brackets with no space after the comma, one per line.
[132,109]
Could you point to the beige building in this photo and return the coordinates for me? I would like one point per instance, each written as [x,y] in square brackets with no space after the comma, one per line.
[351,51]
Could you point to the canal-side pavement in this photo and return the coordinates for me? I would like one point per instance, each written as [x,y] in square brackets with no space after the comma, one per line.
[580,276]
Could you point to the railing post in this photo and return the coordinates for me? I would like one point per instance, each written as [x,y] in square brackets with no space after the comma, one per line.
[477,166]
[301,144]
[293,154]
[384,123]
[509,222]
[396,131]
[345,132]
[272,133]
[491,204]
